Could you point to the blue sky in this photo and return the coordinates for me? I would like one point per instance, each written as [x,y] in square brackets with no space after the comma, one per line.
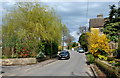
[73,14]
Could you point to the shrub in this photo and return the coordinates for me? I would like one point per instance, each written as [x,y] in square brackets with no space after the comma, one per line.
[117,64]
[59,48]
[102,57]
[111,62]
[98,43]
[50,48]
[114,62]
[90,58]
[96,54]
[109,70]
[4,57]
[118,53]
[41,54]
[110,58]
[83,41]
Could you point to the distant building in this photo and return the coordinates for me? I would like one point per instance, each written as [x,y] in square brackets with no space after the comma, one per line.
[97,23]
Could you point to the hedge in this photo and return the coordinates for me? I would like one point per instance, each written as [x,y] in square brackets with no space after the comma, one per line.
[111,72]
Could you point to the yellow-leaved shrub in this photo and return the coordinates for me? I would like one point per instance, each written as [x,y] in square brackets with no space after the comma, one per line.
[97,42]
[59,48]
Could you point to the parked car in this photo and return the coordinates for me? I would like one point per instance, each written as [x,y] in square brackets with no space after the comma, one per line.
[64,55]
[80,50]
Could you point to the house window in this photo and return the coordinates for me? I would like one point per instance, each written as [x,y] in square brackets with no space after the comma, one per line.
[101,30]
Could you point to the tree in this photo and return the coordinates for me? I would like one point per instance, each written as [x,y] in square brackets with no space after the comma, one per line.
[98,43]
[112,30]
[31,27]
[112,14]
[67,38]
[118,50]
[83,41]
[82,29]
[65,30]
[74,44]
[112,26]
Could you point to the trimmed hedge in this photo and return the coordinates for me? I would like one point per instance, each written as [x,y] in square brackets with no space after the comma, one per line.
[112,72]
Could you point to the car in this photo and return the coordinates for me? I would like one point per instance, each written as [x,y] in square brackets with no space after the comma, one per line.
[80,50]
[64,55]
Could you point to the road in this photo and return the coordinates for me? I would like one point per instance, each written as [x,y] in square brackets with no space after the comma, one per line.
[75,66]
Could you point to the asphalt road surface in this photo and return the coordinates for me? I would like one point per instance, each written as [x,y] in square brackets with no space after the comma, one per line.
[75,66]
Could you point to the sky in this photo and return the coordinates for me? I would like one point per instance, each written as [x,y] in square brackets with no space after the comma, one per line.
[73,14]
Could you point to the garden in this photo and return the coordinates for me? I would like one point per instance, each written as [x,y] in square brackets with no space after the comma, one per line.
[100,54]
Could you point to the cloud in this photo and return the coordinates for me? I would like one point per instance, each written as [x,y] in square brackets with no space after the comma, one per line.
[73,14]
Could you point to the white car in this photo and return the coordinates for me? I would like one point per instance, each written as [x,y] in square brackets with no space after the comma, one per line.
[80,50]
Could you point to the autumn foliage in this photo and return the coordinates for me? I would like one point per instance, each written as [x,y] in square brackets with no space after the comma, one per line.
[98,43]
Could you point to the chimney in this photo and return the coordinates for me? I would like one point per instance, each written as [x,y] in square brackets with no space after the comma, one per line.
[100,16]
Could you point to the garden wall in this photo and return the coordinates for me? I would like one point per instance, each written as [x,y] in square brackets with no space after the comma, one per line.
[19,61]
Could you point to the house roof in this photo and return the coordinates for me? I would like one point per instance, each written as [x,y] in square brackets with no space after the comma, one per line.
[97,22]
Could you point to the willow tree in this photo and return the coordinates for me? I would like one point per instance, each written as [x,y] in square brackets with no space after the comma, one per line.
[28,25]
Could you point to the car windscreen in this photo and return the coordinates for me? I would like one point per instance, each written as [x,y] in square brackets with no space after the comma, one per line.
[80,49]
[64,53]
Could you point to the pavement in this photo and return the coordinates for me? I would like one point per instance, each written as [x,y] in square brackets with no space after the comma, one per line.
[75,66]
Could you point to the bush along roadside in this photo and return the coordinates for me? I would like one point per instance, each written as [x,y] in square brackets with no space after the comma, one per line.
[90,59]
[110,71]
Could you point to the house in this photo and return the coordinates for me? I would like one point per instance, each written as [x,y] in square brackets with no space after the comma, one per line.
[97,23]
